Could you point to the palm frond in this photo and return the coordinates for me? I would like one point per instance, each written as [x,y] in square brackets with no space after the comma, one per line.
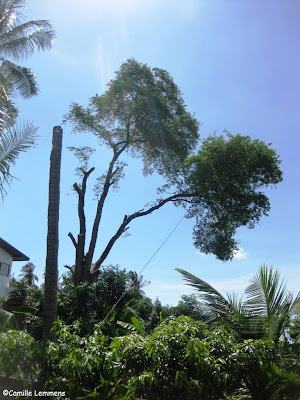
[268,297]
[14,141]
[8,111]
[215,306]
[21,41]
[9,13]
[22,79]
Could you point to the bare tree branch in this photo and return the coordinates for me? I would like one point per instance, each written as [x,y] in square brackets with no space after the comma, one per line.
[124,226]
[73,239]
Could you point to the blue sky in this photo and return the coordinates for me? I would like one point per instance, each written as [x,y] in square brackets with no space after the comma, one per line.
[237,64]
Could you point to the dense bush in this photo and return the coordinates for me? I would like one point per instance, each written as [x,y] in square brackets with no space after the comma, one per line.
[20,356]
[26,303]
[90,303]
[181,359]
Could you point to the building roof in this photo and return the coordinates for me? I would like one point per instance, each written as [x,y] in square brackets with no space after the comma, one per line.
[16,254]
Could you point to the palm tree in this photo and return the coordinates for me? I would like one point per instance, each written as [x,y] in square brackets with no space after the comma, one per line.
[269,299]
[18,40]
[27,273]
[51,273]
[137,282]
[264,314]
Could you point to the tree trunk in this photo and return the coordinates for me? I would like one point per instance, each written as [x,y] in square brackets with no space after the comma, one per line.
[51,275]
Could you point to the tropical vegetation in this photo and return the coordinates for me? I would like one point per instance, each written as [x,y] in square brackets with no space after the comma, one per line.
[264,314]
[143,115]
[94,333]
[108,352]
[18,40]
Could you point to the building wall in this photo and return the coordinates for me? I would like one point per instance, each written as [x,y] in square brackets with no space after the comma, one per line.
[4,280]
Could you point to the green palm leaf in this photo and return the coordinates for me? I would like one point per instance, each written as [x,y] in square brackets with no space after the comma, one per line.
[21,40]
[8,111]
[216,306]
[18,40]
[20,79]
[14,141]
[268,298]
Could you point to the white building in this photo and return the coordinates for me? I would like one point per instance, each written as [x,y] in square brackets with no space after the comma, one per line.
[8,254]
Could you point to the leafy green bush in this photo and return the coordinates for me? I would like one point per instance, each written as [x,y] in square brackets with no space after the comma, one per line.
[78,365]
[90,303]
[26,303]
[182,359]
[20,355]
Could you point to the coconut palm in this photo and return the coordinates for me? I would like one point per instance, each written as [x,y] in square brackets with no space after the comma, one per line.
[51,272]
[269,299]
[18,40]
[27,273]
[230,311]
[137,282]
[264,314]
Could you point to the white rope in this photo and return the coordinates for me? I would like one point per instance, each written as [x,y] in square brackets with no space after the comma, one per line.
[139,274]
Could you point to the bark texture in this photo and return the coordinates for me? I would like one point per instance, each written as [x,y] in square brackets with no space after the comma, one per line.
[51,275]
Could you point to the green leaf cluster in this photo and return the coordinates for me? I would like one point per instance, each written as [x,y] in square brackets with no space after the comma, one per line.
[20,356]
[144,109]
[227,176]
[181,359]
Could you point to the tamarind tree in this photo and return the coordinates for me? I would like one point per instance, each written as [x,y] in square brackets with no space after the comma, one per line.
[142,114]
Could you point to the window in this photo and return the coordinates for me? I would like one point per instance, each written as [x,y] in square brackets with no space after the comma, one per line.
[4,269]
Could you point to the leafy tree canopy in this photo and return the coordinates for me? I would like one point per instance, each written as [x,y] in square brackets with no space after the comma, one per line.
[226,177]
[144,110]
[221,186]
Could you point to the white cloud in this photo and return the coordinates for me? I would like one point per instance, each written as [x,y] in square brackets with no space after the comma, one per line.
[239,254]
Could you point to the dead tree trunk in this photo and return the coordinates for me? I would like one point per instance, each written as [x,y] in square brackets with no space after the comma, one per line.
[51,274]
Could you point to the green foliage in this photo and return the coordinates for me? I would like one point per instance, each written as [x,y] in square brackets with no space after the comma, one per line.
[265,313]
[90,303]
[188,306]
[26,303]
[255,365]
[294,327]
[27,273]
[181,359]
[7,319]
[20,355]
[270,299]
[227,175]
[144,108]
[14,140]
[78,364]
[18,40]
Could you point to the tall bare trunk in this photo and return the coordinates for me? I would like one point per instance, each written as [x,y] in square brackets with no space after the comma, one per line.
[51,275]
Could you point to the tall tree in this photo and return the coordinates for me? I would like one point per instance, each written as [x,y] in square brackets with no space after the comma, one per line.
[27,273]
[18,40]
[143,114]
[51,274]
